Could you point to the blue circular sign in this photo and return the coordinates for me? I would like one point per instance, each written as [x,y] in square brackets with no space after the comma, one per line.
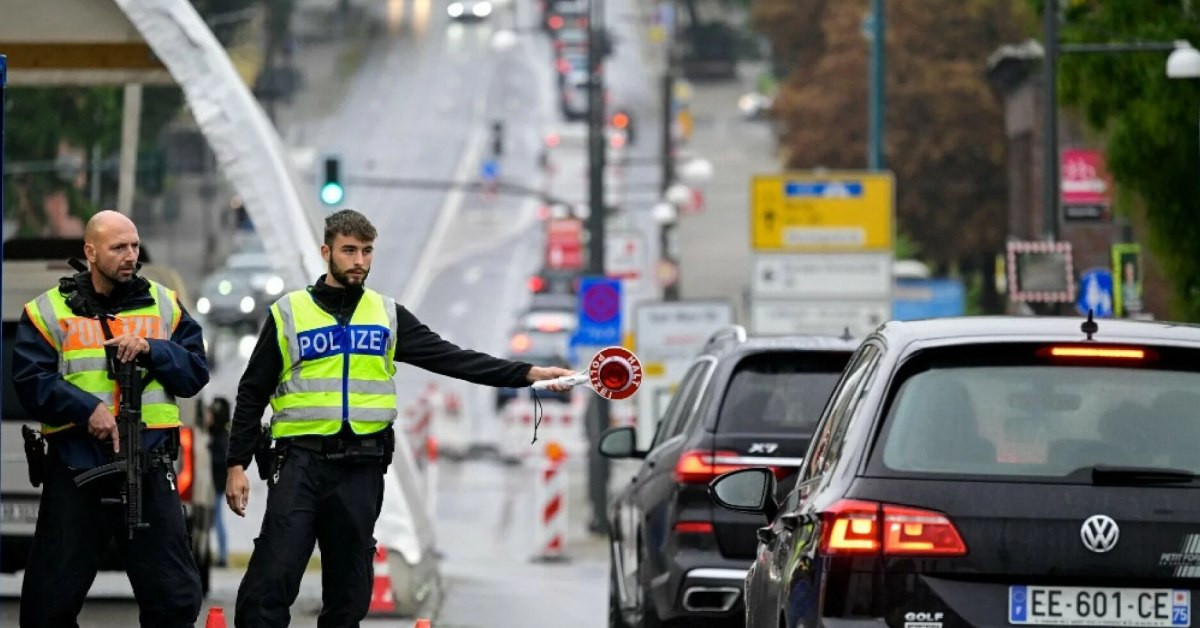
[601,303]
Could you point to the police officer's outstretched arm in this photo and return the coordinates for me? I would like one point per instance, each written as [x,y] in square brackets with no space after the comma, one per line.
[42,390]
[420,346]
[254,393]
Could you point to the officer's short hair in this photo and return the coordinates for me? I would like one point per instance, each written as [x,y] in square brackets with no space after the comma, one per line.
[348,222]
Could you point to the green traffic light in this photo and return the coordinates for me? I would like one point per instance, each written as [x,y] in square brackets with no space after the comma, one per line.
[332,193]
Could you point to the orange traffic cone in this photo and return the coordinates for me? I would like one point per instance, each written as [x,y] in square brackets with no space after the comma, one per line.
[216,618]
[423,623]
[382,599]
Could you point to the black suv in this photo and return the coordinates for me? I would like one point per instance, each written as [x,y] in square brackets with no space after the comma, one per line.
[743,402]
[991,472]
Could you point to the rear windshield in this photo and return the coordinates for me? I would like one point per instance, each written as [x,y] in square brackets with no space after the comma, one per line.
[780,391]
[13,410]
[1016,410]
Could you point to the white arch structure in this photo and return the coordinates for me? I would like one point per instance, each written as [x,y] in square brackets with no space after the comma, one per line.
[244,141]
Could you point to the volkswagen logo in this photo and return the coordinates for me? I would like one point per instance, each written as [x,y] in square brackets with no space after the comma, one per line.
[1100,533]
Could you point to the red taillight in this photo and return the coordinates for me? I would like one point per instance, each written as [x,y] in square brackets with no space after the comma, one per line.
[862,527]
[563,66]
[556,22]
[701,467]
[537,284]
[851,527]
[187,470]
[912,531]
[694,527]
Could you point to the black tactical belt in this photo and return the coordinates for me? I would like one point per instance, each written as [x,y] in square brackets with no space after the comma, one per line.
[333,448]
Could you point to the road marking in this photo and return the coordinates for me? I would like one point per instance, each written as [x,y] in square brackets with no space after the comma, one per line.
[414,292]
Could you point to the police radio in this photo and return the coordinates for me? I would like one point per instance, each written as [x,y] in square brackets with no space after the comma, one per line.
[614,373]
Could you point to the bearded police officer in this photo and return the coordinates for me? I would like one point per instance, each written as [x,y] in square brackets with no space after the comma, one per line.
[62,377]
[324,361]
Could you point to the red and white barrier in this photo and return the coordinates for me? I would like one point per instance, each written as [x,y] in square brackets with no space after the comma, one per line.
[550,506]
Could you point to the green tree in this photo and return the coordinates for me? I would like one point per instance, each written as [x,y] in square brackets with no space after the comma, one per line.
[945,125]
[1149,125]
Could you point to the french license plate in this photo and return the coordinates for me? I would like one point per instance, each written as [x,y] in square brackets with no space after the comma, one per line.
[1098,606]
[19,512]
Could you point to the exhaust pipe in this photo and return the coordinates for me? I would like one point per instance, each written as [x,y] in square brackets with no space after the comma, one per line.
[710,599]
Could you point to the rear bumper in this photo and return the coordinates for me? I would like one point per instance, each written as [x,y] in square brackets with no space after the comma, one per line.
[701,585]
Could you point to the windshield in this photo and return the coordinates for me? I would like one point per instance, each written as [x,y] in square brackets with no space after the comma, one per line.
[784,390]
[1041,419]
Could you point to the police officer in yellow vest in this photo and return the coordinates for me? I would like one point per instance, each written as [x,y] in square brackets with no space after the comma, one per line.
[324,361]
[61,378]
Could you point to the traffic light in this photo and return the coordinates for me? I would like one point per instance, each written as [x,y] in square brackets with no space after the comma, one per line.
[623,121]
[497,138]
[332,191]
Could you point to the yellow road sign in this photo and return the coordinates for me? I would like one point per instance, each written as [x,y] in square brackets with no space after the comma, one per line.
[843,211]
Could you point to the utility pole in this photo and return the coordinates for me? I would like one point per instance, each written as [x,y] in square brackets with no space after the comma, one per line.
[1050,132]
[666,230]
[3,102]
[875,125]
[596,146]
[597,465]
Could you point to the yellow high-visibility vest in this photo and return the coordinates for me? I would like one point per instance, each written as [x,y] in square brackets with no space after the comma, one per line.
[334,373]
[79,341]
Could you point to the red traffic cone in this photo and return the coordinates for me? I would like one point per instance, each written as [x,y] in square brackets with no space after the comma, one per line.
[216,618]
[382,599]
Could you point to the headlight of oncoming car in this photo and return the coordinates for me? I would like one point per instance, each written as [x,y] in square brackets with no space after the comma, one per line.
[247,305]
[482,9]
[203,305]
[455,9]
[274,285]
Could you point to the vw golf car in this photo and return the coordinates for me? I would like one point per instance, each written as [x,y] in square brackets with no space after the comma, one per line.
[991,472]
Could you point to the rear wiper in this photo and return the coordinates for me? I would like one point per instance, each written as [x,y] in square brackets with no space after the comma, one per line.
[1105,474]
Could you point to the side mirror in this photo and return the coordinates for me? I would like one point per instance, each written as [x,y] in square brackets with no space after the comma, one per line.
[620,442]
[746,490]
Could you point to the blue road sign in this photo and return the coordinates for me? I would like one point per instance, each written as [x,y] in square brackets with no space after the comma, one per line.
[823,189]
[928,298]
[1095,292]
[599,312]
[490,171]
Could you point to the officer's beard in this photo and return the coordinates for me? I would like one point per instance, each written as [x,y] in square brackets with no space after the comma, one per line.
[348,277]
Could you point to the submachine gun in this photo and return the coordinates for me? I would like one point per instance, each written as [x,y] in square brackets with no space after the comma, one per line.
[130,461]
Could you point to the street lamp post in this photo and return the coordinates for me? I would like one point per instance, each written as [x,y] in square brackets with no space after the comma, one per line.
[1184,62]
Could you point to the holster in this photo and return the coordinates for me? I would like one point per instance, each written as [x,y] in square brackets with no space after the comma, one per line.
[35,454]
[264,457]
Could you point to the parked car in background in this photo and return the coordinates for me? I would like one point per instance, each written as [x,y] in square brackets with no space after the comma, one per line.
[990,471]
[742,402]
[240,293]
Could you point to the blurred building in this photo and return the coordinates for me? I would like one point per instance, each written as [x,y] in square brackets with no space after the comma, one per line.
[1015,72]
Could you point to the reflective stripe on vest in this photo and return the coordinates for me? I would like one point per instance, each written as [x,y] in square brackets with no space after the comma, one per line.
[334,373]
[79,342]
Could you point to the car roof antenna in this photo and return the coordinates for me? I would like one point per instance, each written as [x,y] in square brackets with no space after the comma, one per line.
[1089,326]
